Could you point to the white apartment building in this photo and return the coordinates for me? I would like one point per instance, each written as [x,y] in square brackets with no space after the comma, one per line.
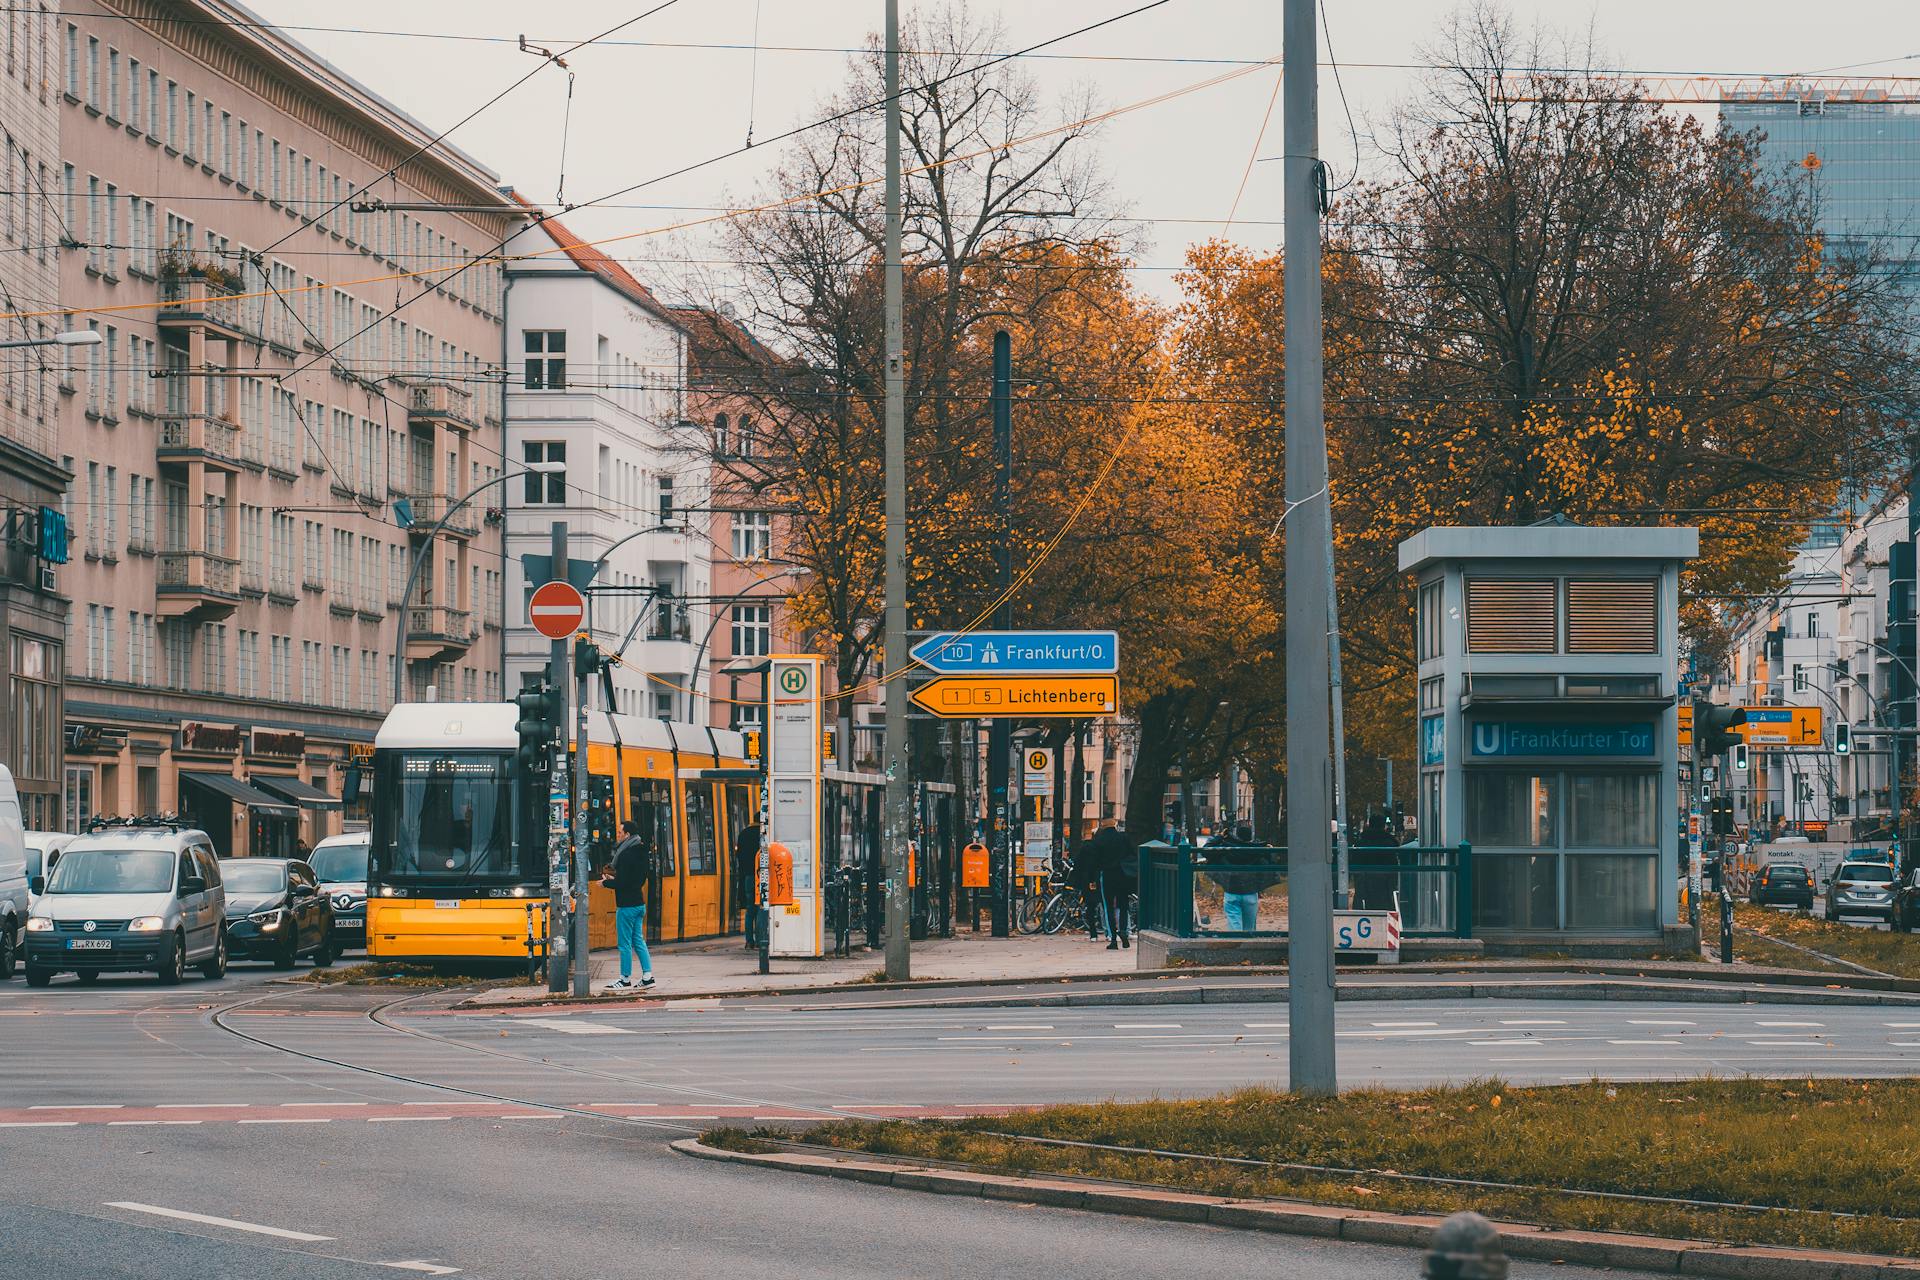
[33,608]
[256,406]
[596,381]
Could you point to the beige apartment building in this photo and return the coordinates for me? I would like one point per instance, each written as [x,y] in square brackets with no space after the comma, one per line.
[258,405]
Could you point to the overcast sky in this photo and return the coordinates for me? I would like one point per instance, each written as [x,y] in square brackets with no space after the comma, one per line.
[649,107]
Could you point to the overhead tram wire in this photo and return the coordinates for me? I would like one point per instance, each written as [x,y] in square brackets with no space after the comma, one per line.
[550,60]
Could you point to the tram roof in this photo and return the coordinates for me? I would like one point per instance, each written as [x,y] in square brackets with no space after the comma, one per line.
[449,726]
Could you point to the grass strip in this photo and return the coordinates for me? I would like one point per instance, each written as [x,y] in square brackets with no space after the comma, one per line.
[1824,1163]
[1887,951]
[394,973]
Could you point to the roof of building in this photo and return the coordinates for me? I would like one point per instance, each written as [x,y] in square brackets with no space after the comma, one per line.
[591,258]
[718,343]
[1548,541]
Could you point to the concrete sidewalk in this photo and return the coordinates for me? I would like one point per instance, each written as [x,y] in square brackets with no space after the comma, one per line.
[725,967]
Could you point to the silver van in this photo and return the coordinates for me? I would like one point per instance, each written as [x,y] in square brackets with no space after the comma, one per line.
[14,876]
[130,898]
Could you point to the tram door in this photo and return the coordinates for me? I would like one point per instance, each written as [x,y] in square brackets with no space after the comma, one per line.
[651,804]
[738,882]
[700,900]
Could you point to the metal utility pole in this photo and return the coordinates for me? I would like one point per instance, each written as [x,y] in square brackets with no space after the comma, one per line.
[898,801]
[558,952]
[1342,855]
[1309,530]
[582,886]
[1000,734]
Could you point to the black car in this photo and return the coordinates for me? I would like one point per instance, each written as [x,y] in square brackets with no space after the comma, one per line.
[1783,884]
[275,911]
[1906,902]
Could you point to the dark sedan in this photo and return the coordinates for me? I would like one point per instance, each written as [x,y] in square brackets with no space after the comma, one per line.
[275,911]
[1906,902]
[1783,884]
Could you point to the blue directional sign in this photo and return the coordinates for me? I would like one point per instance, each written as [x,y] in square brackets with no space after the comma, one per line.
[1058,653]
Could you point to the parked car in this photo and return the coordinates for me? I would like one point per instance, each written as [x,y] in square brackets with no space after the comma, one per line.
[275,911]
[15,891]
[129,898]
[1783,884]
[1906,902]
[341,864]
[1861,889]
[43,851]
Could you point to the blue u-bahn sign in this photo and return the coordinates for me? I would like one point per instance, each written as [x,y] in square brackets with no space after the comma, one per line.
[993,653]
[1522,738]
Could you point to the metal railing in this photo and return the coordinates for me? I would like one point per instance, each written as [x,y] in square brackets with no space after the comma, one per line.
[442,400]
[438,622]
[1184,893]
[428,508]
[187,294]
[202,435]
[198,571]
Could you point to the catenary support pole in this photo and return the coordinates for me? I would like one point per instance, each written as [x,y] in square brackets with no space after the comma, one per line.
[558,951]
[1000,734]
[1308,531]
[577,815]
[899,955]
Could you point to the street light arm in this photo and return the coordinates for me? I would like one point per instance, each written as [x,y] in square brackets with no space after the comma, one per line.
[419,559]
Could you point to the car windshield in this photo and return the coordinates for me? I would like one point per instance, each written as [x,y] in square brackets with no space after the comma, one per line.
[340,863]
[1866,873]
[113,871]
[241,876]
[444,816]
[33,862]
[1787,873]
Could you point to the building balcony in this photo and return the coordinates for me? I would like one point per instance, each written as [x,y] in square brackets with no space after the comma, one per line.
[428,509]
[198,438]
[673,657]
[197,585]
[441,402]
[199,295]
[436,633]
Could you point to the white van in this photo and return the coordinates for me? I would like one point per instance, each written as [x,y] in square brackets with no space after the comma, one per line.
[13,875]
[127,896]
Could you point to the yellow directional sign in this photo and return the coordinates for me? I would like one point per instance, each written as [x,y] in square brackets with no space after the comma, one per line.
[1686,724]
[988,697]
[1782,727]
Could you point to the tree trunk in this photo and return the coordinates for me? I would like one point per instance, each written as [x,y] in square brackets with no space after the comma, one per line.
[1076,780]
[1152,762]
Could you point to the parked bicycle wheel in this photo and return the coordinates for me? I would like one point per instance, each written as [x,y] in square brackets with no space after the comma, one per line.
[1060,908]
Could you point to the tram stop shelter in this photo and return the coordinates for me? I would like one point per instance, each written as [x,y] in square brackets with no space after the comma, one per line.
[1548,731]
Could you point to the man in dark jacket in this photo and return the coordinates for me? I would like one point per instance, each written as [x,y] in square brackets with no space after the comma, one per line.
[746,878]
[627,875]
[1111,859]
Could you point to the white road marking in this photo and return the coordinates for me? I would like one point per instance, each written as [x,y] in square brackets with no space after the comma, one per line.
[426,1268]
[381,1119]
[1626,1042]
[678,1117]
[207,1219]
[1659,1022]
[572,1028]
[38,1124]
[1903,1026]
[1261,1026]
[1018,1026]
[1905,1044]
[324,1104]
[124,1124]
[1146,1026]
[532,1115]
[1533,1022]
[1385,1035]
[1505,1044]
[441,1102]
[1763,1023]
[1785,1044]
[292,1120]
[78,1106]
[1403,1024]
[199,1106]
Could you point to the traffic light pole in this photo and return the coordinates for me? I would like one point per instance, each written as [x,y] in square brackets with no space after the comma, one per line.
[558,952]
[582,887]
[1000,733]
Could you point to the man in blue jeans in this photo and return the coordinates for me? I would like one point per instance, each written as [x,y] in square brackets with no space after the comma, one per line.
[627,875]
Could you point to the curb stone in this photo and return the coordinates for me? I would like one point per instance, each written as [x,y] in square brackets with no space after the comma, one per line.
[1286,1217]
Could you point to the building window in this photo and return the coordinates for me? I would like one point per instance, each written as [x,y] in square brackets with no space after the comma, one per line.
[1511,615]
[719,435]
[546,488]
[546,359]
[80,796]
[752,535]
[37,710]
[1432,644]
[1573,850]
[666,499]
[663,706]
[752,630]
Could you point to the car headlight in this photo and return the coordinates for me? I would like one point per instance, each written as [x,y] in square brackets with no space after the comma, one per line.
[39,924]
[267,919]
[146,924]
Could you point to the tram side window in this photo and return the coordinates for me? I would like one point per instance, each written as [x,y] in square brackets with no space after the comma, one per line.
[740,814]
[652,806]
[700,859]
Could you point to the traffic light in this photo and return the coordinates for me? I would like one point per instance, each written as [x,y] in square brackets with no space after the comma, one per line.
[1723,815]
[1713,729]
[1740,756]
[541,713]
[1842,738]
[586,656]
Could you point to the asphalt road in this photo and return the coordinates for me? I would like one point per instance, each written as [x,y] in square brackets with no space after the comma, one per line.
[503,1144]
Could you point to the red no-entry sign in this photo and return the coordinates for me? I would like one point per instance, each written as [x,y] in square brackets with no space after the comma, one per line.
[556,610]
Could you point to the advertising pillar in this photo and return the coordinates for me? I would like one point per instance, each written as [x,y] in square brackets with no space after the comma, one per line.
[793,802]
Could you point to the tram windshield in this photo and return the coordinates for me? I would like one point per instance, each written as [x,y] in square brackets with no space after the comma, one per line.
[443,815]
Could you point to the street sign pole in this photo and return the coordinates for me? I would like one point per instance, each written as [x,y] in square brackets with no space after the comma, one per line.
[893,843]
[1000,735]
[1308,530]
[558,952]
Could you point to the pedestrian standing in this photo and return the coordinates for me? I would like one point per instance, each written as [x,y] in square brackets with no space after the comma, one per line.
[1083,876]
[627,875]
[746,878]
[1112,862]
[1239,890]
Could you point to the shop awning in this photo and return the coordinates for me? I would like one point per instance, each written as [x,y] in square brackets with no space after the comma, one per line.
[224,784]
[301,793]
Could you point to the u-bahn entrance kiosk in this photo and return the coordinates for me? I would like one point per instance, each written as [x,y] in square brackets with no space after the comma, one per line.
[1548,735]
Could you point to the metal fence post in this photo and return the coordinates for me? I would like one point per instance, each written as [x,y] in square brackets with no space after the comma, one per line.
[1183,898]
[1463,891]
